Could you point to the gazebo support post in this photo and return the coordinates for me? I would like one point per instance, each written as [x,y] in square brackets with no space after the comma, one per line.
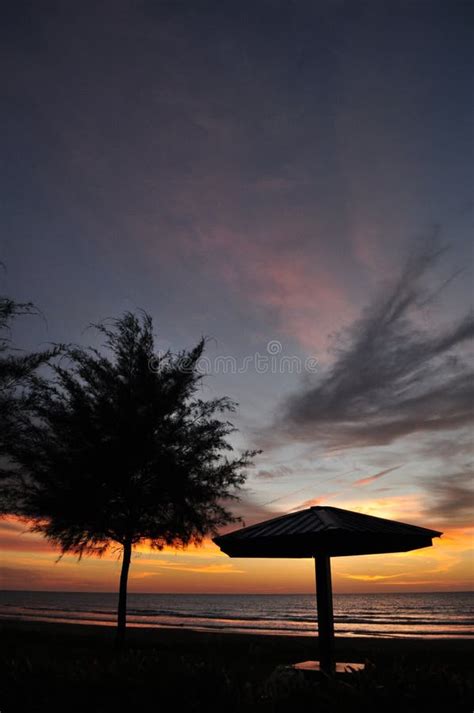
[325,613]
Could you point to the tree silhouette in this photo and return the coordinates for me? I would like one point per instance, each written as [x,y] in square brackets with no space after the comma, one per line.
[121,449]
[18,374]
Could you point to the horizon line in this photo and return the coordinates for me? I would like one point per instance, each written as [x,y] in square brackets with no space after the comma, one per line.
[235,594]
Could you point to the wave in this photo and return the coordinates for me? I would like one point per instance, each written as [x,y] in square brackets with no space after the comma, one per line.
[384,616]
[455,620]
[239,627]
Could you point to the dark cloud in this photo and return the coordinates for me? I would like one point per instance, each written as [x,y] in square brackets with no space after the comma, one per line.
[22,577]
[447,449]
[50,579]
[279,471]
[392,376]
[451,498]
[250,511]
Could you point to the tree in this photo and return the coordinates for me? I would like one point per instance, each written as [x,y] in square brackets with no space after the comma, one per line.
[121,449]
[18,375]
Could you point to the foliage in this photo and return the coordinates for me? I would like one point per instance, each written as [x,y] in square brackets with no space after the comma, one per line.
[18,374]
[122,448]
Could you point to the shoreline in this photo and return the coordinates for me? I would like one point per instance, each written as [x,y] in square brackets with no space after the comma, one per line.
[228,630]
[149,635]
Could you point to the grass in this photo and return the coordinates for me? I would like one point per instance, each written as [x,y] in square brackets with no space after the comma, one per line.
[73,668]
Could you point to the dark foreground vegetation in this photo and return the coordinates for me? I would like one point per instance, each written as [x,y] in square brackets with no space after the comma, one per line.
[60,667]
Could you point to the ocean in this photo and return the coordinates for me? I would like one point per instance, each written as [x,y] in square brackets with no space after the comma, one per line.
[425,615]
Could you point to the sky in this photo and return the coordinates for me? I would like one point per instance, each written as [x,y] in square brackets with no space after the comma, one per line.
[292,180]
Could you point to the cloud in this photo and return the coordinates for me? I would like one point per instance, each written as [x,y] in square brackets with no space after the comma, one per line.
[446,448]
[371,478]
[452,498]
[279,471]
[23,544]
[251,512]
[227,568]
[46,578]
[391,377]
[322,500]
[12,524]
[371,577]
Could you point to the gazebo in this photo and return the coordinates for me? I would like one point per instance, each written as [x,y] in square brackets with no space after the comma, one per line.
[321,533]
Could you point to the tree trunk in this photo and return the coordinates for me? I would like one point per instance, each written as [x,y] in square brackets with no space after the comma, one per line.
[122,603]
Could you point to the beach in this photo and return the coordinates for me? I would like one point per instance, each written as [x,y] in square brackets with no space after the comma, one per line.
[57,666]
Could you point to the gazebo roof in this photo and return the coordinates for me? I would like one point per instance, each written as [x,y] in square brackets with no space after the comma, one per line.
[326,531]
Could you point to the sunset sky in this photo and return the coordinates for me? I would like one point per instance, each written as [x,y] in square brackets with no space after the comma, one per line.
[292,180]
